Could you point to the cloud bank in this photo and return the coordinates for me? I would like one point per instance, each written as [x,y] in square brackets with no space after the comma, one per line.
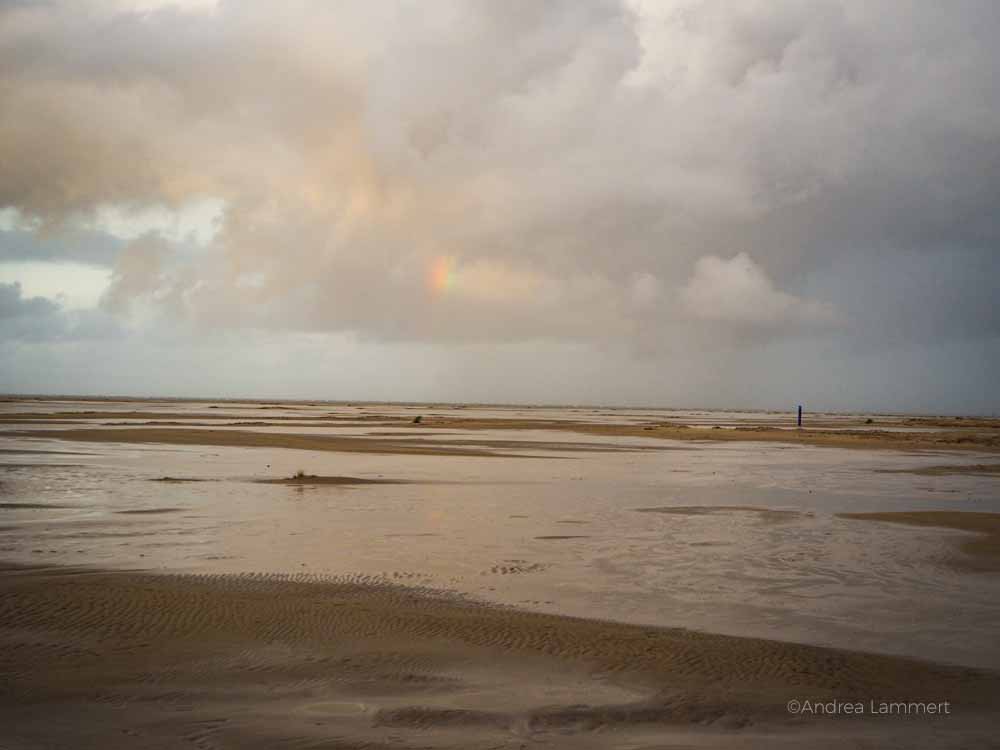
[676,186]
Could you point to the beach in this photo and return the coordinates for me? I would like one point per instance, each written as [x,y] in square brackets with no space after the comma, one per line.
[341,576]
[615,374]
[127,659]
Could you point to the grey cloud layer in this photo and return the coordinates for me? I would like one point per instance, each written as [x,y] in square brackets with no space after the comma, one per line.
[37,319]
[682,177]
[80,246]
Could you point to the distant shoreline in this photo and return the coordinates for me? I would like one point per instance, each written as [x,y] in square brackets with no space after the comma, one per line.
[970,435]
[265,401]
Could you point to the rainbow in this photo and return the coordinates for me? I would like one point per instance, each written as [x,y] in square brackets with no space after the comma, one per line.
[442,274]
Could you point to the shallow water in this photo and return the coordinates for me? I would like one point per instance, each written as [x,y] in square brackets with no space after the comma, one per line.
[562,533]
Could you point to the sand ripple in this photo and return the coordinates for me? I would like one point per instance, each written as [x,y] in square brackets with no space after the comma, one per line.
[264,660]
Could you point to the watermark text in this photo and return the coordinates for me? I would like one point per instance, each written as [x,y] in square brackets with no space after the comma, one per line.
[806,707]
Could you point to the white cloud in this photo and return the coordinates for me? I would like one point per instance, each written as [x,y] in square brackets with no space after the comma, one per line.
[196,221]
[739,292]
[74,286]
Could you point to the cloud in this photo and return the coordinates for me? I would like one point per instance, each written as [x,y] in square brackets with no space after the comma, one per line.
[137,275]
[38,319]
[89,247]
[738,292]
[13,305]
[571,161]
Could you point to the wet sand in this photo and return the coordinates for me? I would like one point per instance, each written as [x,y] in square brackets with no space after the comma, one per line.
[179,480]
[972,434]
[338,443]
[942,471]
[100,659]
[913,433]
[767,514]
[983,550]
[658,523]
[315,479]
[242,439]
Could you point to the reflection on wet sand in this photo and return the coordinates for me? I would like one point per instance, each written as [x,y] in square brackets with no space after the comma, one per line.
[302,570]
[767,514]
[339,443]
[938,471]
[833,430]
[983,550]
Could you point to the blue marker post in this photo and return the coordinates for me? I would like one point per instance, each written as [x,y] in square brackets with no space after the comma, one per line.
[800,415]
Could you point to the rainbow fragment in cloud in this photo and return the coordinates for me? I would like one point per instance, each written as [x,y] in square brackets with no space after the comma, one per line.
[442,275]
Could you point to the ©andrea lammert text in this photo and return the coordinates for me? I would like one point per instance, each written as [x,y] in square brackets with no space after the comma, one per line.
[868,708]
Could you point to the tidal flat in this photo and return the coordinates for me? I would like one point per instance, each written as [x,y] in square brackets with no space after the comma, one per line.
[339,575]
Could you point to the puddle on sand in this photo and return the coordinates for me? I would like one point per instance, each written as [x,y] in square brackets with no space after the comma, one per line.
[739,538]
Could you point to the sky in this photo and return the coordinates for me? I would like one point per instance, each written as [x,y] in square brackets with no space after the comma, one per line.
[687,203]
